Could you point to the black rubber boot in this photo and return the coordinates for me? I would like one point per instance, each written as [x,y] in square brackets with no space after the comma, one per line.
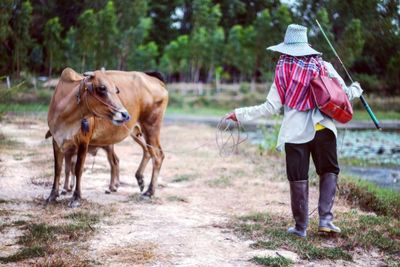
[327,190]
[299,203]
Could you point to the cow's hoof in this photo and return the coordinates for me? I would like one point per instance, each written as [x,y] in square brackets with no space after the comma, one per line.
[144,197]
[139,178]
[64,192]
[148,194]
[107,192]
[52,198]
[113,188]
[74,203]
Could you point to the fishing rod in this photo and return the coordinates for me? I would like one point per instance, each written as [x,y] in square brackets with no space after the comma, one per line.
[363,101]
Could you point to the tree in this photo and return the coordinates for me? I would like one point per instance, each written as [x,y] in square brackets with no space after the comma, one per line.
[5,33]
[22,40]
[175,58]
[144,58]
[71,50]
[131,39]
[240,50]
[352,42]
[87,38]
[53,43]
[205,38]
[107,35]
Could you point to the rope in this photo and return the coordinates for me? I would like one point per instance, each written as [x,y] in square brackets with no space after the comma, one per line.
[228,140]
[226,146]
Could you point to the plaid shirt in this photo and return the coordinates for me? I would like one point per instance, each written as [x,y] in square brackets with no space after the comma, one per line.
[292,80]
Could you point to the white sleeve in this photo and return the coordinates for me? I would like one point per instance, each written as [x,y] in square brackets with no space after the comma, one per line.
[272,105]
[353,91]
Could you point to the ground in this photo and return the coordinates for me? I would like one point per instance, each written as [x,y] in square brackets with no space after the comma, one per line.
[188,222]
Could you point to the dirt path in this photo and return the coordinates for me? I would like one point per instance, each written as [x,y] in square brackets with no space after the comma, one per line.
[186,224]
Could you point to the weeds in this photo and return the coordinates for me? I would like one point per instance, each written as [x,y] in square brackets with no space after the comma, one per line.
[222,182]
[182,178]
[272,261]
[42,239]
[358,231]
[25,253]
[370,197]
[177,199]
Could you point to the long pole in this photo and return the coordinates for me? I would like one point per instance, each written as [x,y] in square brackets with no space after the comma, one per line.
[363,101]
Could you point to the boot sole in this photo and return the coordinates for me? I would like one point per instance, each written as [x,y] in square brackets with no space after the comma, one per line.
[327,230]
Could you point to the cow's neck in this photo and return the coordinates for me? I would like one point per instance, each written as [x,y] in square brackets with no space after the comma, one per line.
[68,117]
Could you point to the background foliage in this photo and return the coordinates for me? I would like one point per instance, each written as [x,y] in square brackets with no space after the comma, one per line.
[200,40]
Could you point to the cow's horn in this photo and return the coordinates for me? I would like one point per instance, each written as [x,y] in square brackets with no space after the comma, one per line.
[89,74]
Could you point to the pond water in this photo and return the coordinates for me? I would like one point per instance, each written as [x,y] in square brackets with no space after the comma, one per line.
[372,146]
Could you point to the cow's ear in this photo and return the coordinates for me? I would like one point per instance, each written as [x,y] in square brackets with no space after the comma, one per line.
[89,74]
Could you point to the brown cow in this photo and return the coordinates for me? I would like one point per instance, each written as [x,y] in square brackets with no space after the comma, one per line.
[71,155]
[75,99]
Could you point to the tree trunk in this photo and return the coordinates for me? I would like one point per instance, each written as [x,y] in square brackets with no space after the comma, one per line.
[50,64]
[253,84]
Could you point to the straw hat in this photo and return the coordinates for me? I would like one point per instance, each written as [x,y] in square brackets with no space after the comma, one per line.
[295,42]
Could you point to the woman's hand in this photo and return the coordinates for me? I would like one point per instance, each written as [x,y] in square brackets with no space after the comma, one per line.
[231,116]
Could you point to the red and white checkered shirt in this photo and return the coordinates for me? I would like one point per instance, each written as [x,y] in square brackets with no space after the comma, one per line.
[292,80]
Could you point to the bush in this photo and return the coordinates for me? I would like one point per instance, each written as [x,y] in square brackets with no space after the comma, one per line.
[370,83]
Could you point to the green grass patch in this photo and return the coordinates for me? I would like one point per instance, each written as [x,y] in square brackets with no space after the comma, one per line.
[370,197]
[23,108]
[6,142]
[272,261]
[25,253]
[362,115]
[177,199]
[222,182]
[43,239]
[358,231]
[182,178]
[199,111]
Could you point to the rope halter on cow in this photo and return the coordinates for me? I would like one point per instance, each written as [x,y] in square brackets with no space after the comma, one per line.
[87,88]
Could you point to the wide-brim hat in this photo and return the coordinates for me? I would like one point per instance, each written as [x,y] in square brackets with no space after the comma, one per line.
[295,42]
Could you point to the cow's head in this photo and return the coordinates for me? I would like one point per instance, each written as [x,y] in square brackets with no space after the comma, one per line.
[99,94]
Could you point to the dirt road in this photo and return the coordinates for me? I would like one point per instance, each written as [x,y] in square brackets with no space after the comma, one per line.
[186,224]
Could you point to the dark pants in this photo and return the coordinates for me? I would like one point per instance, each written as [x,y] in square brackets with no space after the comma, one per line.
[323,151]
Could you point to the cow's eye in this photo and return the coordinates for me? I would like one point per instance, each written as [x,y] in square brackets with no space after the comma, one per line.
[102,89]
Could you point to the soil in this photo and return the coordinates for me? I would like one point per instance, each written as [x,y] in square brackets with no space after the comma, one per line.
[185,224]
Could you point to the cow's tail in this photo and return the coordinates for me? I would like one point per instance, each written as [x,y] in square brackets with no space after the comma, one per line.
[157,75]
[48,134]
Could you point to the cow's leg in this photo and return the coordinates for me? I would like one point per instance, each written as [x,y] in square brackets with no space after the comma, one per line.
[58,161]
[152,136]
[145,159]
[80,161]
[68,165]
[113,160]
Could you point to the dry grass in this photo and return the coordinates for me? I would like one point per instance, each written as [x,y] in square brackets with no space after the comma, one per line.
[136,254]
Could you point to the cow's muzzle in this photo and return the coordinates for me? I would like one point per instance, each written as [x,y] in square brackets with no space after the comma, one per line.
[120,117]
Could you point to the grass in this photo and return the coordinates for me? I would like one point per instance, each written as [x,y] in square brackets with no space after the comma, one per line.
[42,239]
[25,253]
[177,199]
[370,197]
[272,261]
[7,142]
[358,231]
[362,115]
[182,178]
[23,108]
[222,182]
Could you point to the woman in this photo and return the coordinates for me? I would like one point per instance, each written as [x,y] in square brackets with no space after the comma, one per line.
[304,130]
